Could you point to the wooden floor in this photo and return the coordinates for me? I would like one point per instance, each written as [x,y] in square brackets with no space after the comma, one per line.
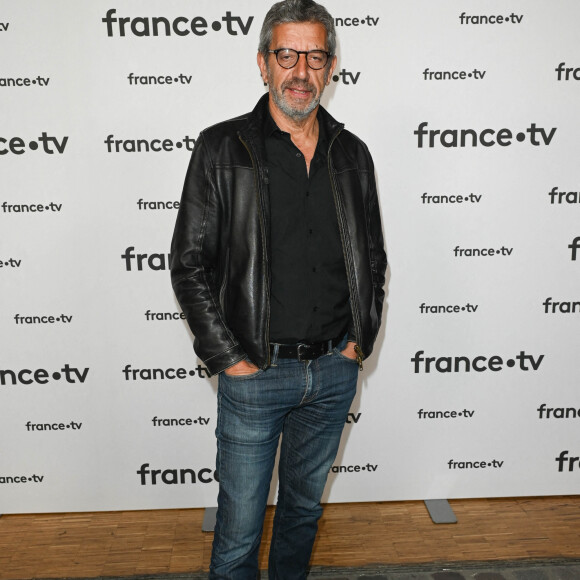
[155,542]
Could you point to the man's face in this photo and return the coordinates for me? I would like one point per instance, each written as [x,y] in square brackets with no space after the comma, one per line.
[296,92]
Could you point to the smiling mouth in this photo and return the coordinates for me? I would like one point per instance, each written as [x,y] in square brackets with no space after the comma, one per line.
[299,92]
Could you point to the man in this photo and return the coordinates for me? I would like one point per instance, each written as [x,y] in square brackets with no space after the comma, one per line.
[278,264]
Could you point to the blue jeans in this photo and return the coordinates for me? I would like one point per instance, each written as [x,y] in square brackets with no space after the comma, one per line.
[305,401]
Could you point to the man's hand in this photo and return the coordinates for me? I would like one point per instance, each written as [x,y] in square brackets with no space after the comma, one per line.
[349,351]
[241,368]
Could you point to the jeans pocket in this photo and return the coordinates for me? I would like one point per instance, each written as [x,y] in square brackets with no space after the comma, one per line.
[339,354]
[242,377]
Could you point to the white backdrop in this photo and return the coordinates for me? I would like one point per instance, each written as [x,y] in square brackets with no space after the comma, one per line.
[473,387]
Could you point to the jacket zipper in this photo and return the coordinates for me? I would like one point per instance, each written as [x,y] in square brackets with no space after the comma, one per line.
[339,212]
[257,175]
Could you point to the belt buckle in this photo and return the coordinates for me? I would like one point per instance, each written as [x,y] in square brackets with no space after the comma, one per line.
[298,347]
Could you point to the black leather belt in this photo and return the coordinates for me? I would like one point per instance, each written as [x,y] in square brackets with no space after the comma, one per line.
[303,351]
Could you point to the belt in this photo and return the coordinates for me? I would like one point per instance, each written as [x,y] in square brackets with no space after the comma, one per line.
[303,351]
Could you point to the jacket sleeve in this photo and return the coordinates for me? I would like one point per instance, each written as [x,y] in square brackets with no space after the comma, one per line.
[374,231]
[196,264]
[376,241]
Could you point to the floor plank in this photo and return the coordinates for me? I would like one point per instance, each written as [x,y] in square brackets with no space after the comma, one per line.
[357,534]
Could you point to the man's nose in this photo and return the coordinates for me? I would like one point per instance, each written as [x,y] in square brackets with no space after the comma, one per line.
[302,68]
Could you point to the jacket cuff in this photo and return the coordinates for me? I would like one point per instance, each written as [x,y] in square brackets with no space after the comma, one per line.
[219,362]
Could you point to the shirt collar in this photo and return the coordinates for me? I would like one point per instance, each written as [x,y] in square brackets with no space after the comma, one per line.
[270,127]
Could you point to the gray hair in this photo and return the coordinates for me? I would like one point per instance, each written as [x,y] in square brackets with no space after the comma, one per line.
[297,11]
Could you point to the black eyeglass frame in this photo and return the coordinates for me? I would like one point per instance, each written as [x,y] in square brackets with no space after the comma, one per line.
[298,53]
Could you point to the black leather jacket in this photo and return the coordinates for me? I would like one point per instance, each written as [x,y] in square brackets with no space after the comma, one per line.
[220,253]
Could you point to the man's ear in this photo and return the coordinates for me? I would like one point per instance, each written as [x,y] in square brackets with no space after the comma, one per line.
[262,67]
[331,70]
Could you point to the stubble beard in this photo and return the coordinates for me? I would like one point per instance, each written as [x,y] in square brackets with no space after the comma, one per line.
[293,112]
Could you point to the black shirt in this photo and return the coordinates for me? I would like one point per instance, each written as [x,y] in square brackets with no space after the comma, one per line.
[309,293]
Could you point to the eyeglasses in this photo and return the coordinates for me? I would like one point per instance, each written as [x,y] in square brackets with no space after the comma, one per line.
[288,57]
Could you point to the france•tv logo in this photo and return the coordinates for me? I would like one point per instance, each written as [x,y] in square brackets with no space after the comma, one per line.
[574,246]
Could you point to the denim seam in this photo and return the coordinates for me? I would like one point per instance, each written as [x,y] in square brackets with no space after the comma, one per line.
[279,514]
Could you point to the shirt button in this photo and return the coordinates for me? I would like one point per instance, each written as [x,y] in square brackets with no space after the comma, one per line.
[314,269]
[310,232]
[315,309]
[298,155]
